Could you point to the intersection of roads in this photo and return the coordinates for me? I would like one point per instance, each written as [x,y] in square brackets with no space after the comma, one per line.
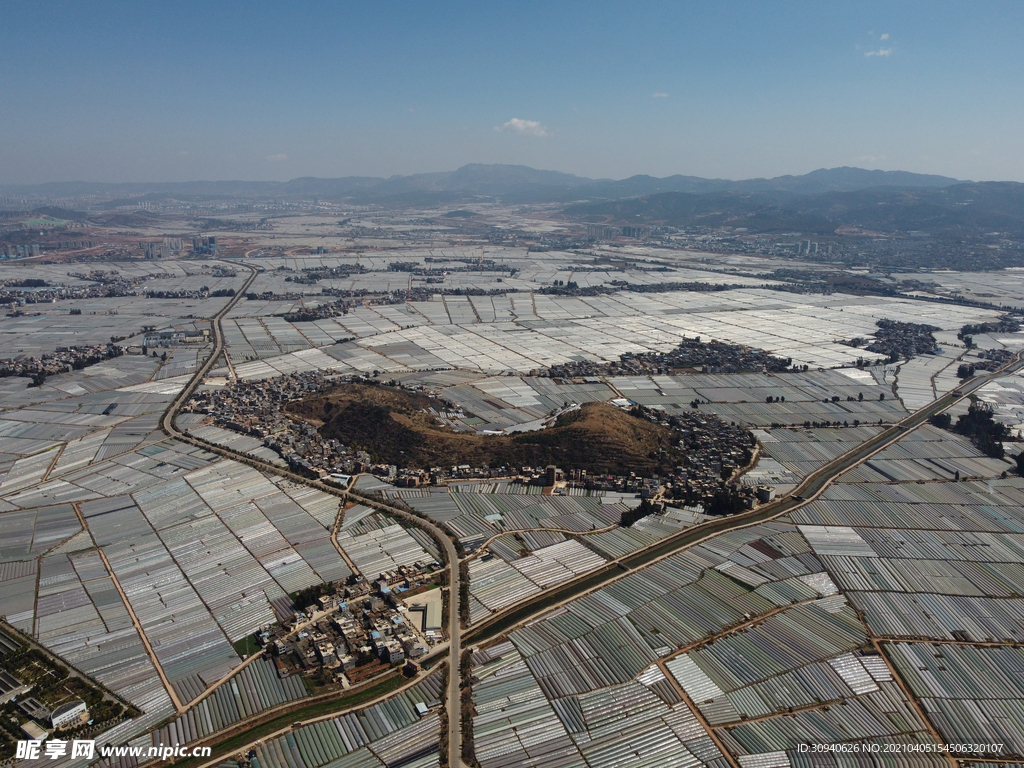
[809,489]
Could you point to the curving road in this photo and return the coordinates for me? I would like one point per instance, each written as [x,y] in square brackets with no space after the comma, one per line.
[218,347]
[811,487]
[451,555]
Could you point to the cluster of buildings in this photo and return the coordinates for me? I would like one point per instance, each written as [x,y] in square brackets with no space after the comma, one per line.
[423,292]
[17,297]
[204,245]
[61,360]
[320,312]
[66,716]
[20,251]
[154,338]
[706,356]
[33,697]
[256,408]
[602,232]
[545,477]
[105,285]
[202,293]
[41,720]
[151,250]
[713,448]
[171,245]
[714,451]
[562,481]
[992,359]
[314,275]
[448,267]
[72,245]
[811,248]
[364,622]
[901,340]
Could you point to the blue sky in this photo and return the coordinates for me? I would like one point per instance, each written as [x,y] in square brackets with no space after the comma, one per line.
[142,91]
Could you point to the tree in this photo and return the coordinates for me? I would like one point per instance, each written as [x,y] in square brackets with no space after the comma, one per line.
[1020,463]
[630,516]
[984,431]
[726,501]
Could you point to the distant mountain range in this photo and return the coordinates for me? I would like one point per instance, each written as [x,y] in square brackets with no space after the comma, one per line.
[962,209]
[511,183]
[817,202]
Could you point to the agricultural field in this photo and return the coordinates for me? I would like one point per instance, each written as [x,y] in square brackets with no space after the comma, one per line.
[145,561]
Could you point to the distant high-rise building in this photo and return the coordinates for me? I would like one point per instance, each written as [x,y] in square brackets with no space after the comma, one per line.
[550,474]
[204,244]
[601,232]
[637,233]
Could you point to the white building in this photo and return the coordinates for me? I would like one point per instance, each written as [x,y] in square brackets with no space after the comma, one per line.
[68,714]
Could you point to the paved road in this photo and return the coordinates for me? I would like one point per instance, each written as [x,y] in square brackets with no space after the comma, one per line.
[451,556]
[218,347]
[810,488]
[453,705]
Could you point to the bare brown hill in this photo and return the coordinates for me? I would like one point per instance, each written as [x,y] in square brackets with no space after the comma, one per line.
[391,426]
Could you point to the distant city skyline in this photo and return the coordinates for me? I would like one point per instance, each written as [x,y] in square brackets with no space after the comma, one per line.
[124,92]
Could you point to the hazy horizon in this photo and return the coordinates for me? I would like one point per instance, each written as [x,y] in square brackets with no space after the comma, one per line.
[114,92]
[447,170]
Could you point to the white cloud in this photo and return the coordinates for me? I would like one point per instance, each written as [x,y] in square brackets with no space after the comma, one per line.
[523,127]
[885,36]
[660,95]
[880,52]
[277,158]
